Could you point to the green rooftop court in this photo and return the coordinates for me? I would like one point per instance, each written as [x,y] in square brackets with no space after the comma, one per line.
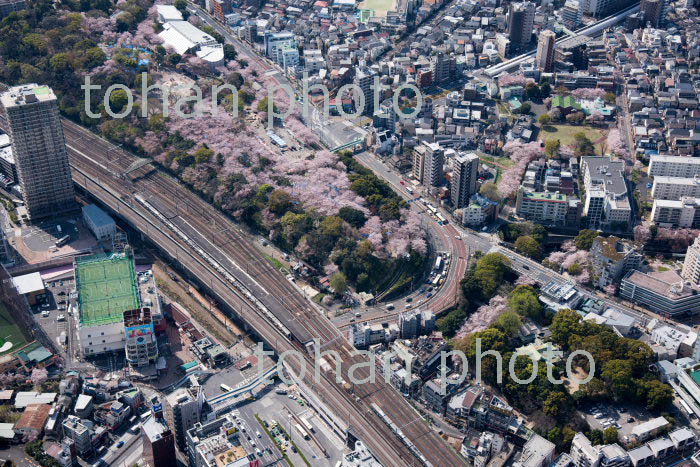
[696,376]
[106,287]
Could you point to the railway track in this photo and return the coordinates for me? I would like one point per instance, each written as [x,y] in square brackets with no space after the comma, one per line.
[97,166]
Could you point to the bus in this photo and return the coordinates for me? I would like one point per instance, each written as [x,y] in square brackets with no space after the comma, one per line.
[225,388]
[307,425]
[62,241]
[438,263]
[301,431]
[437,279]
[410,190]
[441,218]
[431,208]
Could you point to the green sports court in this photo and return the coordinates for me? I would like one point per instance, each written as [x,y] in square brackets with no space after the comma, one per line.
[106,287]
[11,336]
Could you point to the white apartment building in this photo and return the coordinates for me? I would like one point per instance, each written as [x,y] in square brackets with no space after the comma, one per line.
[691,264]
[674,166]
[464,179]
[675,188]
[544,207]
[607,202]
[99,222]
[683,213]
[433,165]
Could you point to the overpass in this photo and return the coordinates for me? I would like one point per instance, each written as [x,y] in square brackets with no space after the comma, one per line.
[591,31]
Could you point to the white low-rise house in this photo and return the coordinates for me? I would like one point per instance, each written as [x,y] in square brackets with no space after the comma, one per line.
[648,429]
[99,222]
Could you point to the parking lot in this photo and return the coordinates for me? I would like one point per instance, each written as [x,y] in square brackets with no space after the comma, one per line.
[623,418]
[52,312]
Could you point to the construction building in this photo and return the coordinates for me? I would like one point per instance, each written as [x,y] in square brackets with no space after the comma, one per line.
[39,150]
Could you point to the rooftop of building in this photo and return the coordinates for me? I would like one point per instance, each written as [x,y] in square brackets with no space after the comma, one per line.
[649,426]
[662,179]
[97,215]
[614,248]
[106,287]
[34,417]
[606,174]
[666,283]
[26,94]
[545,196]
[674,159]
[28,283]
[155,428]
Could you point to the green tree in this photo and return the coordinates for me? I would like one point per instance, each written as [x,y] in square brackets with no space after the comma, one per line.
[610,435]
[525,301]
[558,406]
[583,145]
[528,246]
[490,191]
[552,147]
[352,216]
[658,395]
[118,99]
[280,202]
[545,119]
[618,375]
[584,240]
[509,323]
[203,154]
[565,324]
[339,283]
[229,52]
[451,322]
[490,271]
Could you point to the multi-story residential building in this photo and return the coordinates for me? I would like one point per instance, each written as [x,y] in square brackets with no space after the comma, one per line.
[8,6]
[665,293]
[418,162]
[675,188]
[39,150]
[651,11]
[276,42]
[479,211]
[433,165]
[571,14]
[442,67]
[182,411]
[612,258]
[521,19]
[75,429]
[542,207]
[674,166]
[671,213]
[209,441]
[364,80]
[607,202]
[537,452]
[464,179]
[691,264]
[544,59]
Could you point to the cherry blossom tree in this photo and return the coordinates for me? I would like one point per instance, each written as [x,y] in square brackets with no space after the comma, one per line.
[642,234]
[522,154]
[615,143]
[589,93]
[483,316]
[39,376]
[512,80]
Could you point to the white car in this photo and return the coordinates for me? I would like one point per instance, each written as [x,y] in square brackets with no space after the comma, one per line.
[257,433]
[60,318]
[45,313]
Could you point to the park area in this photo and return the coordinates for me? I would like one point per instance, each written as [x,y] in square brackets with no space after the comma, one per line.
[565,134]
[11,336]
[106,287]
[380,7]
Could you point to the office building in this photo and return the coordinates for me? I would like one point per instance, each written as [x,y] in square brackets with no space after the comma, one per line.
[607,202]
[544,59]
[612,258]
[414,323]
[674,166]
[158,438]
[418,162]
[39,150]
[684,213]
[209,441]
[433,165]
[9,6]
[603,8]
[183,409]
[282,49]
[665,293]
[141,343]
[691,264]
[465,175]
[675,188]
[521,19]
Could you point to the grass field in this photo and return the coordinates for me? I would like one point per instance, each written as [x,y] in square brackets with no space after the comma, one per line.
[380,7]
[9,331]
[565,134]
[107,288]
